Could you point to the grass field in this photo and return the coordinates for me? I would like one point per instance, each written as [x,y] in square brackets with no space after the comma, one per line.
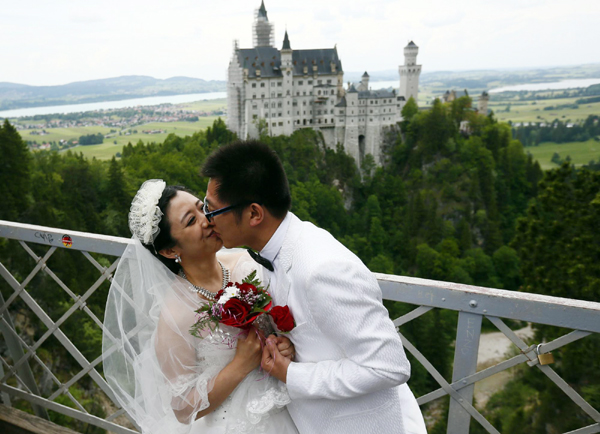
[531,112]
[205,105]
[106,150]
[580,152]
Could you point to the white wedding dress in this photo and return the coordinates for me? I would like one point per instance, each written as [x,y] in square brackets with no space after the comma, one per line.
[161,374]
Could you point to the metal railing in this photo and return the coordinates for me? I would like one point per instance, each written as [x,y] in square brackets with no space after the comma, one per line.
[472,304]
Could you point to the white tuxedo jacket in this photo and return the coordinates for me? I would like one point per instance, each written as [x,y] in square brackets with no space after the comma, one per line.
[350,371]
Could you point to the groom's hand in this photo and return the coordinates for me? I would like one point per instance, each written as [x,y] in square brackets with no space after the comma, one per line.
[273,361]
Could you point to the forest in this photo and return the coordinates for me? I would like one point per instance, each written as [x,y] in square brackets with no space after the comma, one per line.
[473,209]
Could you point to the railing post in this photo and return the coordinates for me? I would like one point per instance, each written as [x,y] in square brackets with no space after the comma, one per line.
[465,364]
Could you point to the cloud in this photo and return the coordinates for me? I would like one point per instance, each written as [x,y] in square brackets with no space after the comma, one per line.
[444,18]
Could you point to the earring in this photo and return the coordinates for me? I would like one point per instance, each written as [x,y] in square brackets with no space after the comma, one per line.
[177,258]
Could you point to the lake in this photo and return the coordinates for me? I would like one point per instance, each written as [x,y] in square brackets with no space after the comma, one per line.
[556,85]
[107,105]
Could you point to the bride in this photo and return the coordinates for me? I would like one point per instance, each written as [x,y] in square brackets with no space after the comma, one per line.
[168,380]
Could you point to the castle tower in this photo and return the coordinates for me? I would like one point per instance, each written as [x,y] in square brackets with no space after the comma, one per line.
[410,72]
[287,71]
[482,104]
[364,82]
[263,32]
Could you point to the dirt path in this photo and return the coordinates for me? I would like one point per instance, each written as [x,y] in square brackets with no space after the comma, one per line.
[493,348]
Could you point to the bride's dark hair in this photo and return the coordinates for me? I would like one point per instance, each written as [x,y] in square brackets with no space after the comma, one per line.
[164,240]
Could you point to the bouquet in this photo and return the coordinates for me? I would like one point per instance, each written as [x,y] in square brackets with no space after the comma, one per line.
[240,305]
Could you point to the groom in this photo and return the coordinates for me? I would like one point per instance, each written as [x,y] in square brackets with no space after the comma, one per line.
[350,371]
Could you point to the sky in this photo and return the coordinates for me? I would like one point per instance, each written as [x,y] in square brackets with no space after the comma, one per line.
[61,41]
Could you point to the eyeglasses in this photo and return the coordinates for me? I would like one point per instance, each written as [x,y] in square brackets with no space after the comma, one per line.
[210,214]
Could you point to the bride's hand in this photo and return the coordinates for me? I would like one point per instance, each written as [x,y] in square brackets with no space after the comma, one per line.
[249,351]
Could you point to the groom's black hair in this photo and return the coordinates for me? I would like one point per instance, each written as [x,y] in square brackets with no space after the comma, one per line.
[249,171]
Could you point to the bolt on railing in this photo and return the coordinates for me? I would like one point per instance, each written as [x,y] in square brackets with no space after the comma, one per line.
[472,304]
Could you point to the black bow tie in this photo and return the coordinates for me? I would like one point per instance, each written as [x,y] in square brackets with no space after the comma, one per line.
[262,261]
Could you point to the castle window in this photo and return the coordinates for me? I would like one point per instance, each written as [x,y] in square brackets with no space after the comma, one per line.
[254,116]
[272,94]
[294,104]
[253,95]
[328,81]
[310,92]
[279,84]
[266,115]
[371,119]
[309,82]
[301,82]
[319,92]
[262,95]
[288,92]
[319,81]
[319,120]
[279,105]
[266,105]
[273,105]
[253,84]
[325,120]
[279,95]
[262,85]
[371,111]
[304,93]
[280,114]
[298,93]
[332,91]
[254,107]
[274,124]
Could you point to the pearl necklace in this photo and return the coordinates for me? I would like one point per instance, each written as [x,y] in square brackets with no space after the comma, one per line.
[203,291]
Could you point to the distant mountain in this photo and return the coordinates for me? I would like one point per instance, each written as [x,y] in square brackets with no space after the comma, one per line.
[486,79]
[13,95]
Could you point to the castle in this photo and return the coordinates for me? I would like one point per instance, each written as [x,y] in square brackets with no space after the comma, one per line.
[280,91]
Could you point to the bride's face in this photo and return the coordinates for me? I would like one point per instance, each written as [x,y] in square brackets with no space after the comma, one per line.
[186,220]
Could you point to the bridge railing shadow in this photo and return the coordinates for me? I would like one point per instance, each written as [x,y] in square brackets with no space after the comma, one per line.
[101,252]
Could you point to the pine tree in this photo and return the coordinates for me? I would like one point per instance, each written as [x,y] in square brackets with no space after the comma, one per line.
[15,180]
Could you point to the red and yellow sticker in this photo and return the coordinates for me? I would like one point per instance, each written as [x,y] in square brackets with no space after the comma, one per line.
[67,241]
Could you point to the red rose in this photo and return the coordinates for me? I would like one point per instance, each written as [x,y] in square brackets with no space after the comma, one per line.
[283,318]
[246,288]
[218,295]
[234,312]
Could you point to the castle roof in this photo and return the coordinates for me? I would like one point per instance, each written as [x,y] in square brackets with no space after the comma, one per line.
[262,12]
[412,44]
[268,61]
[342,102]
[352,89]
[379,93]
[286,42]
[365,74]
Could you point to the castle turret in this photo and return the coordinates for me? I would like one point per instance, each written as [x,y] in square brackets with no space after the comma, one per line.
[410,72]
[482,104]
[263,32]
[287,72]
[364,82]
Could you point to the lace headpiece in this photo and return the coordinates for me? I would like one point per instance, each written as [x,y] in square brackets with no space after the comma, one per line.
[144,214]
